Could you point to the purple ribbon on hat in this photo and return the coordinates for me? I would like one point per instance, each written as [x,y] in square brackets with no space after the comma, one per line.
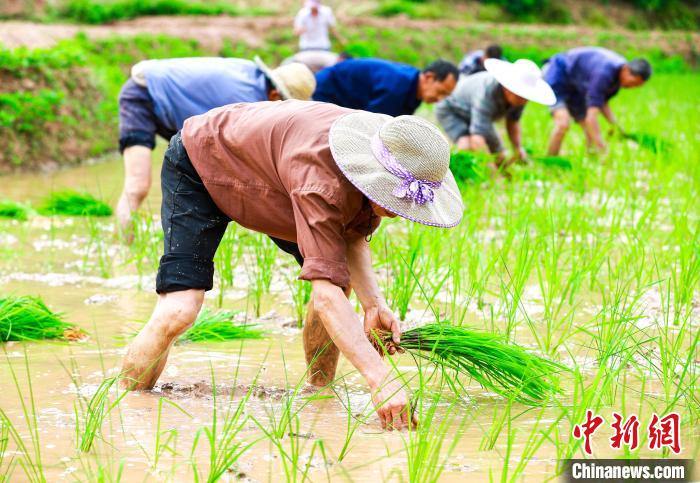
[418,190]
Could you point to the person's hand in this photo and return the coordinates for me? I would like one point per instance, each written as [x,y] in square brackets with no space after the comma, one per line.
[381,318]
[393,407]
[520,156]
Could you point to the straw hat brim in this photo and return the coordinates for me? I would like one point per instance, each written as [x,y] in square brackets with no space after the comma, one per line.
[505,74]
[277,82]
[350,141]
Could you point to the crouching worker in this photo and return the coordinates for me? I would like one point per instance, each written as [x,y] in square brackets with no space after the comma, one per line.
[479,100]
[161,94]
[584,80]
[320,177]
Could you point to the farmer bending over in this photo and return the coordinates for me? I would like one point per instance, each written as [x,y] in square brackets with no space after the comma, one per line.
[584,80]
[319,176]
[468,115]
[384,87]
[161,94]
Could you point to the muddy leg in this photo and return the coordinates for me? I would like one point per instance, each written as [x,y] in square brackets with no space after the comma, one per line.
[321,353]
[562,121]
[174,313]
[137,182]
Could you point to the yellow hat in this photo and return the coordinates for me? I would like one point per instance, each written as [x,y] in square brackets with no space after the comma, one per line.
[292,81]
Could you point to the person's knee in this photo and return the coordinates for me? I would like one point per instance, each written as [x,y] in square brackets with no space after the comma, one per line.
[137,187]
[562,122]
[177,312]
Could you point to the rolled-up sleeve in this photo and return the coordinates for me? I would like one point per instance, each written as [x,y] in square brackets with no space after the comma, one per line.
[320,227]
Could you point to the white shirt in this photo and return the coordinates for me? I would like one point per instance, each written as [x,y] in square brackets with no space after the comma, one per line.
[315,27]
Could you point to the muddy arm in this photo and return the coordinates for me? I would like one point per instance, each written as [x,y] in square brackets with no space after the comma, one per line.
[340,321]
[378,315]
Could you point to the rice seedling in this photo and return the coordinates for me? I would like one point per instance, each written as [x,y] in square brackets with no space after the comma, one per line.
[223,436]
[469,167]
[13,210]
[553,161]
[301,294]
[218,327]
[27,318]
[506,369]
[97,410]
[73,203]
[649,141]
[30,459]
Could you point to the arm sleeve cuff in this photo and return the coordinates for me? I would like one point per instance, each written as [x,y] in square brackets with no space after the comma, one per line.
[324,269]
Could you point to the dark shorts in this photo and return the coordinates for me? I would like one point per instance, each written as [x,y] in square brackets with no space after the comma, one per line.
[138,124]
[192,226]
[456,125]
[555,75]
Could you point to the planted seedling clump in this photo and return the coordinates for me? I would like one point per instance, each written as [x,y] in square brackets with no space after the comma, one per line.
[73,203]
[13,210]
[218,327]
[28,318]
[504,368]
[468,167]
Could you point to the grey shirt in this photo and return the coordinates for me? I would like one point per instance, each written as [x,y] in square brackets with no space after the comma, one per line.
[479,101]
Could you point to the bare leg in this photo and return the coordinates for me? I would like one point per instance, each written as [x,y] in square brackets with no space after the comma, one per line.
[562,120]
[321,353]
[144,361]
[463,143]
[137,182]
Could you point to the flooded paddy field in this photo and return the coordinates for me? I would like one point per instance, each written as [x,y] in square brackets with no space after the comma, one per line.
[597,267]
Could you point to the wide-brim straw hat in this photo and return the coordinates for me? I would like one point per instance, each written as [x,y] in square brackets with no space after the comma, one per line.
[402,164]
[292,81]
[523,78]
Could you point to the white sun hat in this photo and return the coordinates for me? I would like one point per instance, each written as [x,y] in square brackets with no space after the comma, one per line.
[402,164]
[292,81]
[523,78]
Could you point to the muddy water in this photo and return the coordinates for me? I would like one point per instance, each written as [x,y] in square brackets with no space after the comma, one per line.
[53,259]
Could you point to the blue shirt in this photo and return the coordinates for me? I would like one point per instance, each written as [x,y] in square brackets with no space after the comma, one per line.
[472,63]
[590,74]
[372,85]
[182,88]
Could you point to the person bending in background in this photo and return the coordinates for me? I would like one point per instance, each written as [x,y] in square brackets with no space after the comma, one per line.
[473,62]
[317,60]
[313,23]
[384,87]
[479,100]
[584,80]
[161,94]
[321,177]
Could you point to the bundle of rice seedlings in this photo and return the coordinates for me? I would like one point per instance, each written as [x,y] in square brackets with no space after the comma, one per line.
[468,167]
[553,161]
[504,368]
[13,210]
[648,141]
[219,326]
[28,318]
[73,203]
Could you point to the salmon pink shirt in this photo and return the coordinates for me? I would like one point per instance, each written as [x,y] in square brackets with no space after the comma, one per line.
[268,166]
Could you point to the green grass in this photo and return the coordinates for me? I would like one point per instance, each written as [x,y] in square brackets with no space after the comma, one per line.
[218,327]
[498,366]
[27,318]
[105,11]
[13,210]
[73,203]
